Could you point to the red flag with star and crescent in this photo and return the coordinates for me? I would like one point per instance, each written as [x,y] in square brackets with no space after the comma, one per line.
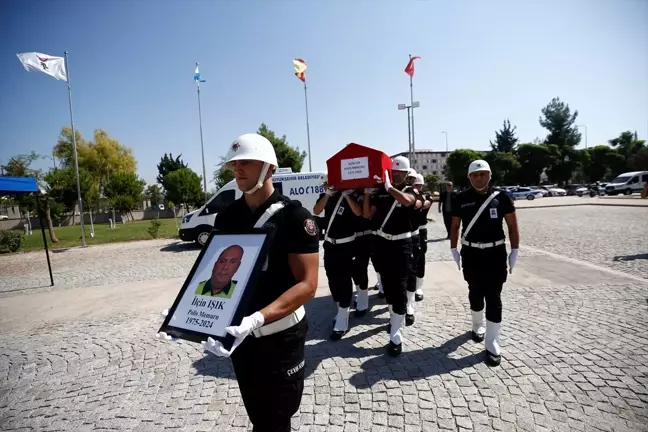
[409,69]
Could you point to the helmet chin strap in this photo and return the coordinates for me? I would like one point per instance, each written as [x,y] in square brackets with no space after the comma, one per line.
[476,188]
[262,176]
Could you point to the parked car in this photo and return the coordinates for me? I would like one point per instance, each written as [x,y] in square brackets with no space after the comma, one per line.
[571,189]
[582,191]
[4,217]
[524,192]
[544,191]
[554,191]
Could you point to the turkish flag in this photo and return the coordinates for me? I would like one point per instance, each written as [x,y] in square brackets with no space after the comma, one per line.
[409,69]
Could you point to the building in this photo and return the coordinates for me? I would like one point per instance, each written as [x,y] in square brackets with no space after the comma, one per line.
[428,161]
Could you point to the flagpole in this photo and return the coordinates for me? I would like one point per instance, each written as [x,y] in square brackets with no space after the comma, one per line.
[310,166]
[202,147]
[412,104]
[74,146]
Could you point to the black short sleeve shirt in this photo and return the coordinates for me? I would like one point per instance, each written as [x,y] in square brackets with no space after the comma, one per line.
[399,221]
[489,226]
[344,220]
[362,224]
[421,214]
[295,233]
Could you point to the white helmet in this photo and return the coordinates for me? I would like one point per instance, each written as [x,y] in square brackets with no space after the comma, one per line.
[400,163]
[419,179]
[411,172]
[253,147]
[478,165]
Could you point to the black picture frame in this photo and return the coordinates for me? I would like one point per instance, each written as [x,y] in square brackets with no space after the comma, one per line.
[248,289]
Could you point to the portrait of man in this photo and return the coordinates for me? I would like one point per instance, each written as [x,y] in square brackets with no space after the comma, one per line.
[221,284]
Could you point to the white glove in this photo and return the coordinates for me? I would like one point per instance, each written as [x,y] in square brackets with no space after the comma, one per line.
[512,259]
[240,332]
[388,184]
[163,335]
[457,257]
[370,190]
[347,192]
[330,192]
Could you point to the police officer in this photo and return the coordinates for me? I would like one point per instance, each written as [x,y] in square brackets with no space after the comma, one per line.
[445,205]
[421,221]
[362,247]
[389,211]
[480,210]
[268,352]
[416,247]
[341,211]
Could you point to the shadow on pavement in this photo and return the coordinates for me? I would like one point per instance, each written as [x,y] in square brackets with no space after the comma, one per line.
[643,256]
[180,247]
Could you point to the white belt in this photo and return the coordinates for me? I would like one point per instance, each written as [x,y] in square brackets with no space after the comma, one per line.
[415,232]
[363,233]
[393,237]
[340,241]
[483,245]
[423,227]
[281,324]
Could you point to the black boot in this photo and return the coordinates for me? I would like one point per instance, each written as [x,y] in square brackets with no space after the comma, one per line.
[476,337]
[381,295]
[418,297]
[493,360]
[409,319]
[395,350]
[359,313]
[336,335]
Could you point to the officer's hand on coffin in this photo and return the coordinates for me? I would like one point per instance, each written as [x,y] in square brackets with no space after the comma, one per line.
[388,184]
[347,192]
[370,191]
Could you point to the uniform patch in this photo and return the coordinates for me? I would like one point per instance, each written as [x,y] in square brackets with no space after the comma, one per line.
[494,202]
[493,213]
[340,210]
[310,227]
[294,370]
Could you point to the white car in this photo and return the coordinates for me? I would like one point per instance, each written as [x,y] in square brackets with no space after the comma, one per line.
[553,191]
[524,192]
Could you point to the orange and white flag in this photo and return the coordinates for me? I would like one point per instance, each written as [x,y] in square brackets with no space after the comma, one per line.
[300,69]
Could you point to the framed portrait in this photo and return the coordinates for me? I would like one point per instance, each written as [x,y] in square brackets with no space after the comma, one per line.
[219,287]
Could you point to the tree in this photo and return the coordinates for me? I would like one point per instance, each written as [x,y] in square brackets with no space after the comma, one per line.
[505,139]
[20,166]
[505,167]
[62,187]
[287,156]
[456,168]
[222,175]
[533,160]
[602,163]
[154,194]
[102,157]
[639,161]
[168,165]
[431,182]
[563,134]
[184,187]
[124,191]
[628,145]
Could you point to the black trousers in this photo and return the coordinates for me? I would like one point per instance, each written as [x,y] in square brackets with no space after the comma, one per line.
[447,221]
[361,261]
[419,264]
[416,251]
[485,272]
[394,263]
[338,263]
[270,372]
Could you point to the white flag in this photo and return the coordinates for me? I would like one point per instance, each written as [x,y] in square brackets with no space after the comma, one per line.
[52,66]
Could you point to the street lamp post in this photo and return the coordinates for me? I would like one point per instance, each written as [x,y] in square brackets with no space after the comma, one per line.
[584,126]
[446,137]
[410,138]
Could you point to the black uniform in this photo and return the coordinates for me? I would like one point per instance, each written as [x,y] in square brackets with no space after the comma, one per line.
[393,257]
[445,204]
[270,369]
[363,244]
[421,220]
[339,248]
[484,268]
[415,218]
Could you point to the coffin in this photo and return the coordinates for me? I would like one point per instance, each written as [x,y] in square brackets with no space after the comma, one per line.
[355,166]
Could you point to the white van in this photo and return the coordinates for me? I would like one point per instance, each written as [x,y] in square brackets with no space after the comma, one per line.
[627,183]
[303,187]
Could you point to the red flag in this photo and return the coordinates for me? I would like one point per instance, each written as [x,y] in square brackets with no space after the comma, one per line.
[409,69]
[300,69]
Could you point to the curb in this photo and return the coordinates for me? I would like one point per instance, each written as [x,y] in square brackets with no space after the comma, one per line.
[584,204]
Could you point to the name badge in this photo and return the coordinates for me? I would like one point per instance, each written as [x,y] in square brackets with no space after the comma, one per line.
[493,213]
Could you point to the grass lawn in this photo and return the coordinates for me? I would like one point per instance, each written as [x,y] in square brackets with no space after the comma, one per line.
[70,236]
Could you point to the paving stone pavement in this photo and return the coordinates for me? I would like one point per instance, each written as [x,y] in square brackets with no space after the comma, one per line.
[575,344]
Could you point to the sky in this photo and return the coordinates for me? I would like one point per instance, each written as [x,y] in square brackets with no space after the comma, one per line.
[131,68]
